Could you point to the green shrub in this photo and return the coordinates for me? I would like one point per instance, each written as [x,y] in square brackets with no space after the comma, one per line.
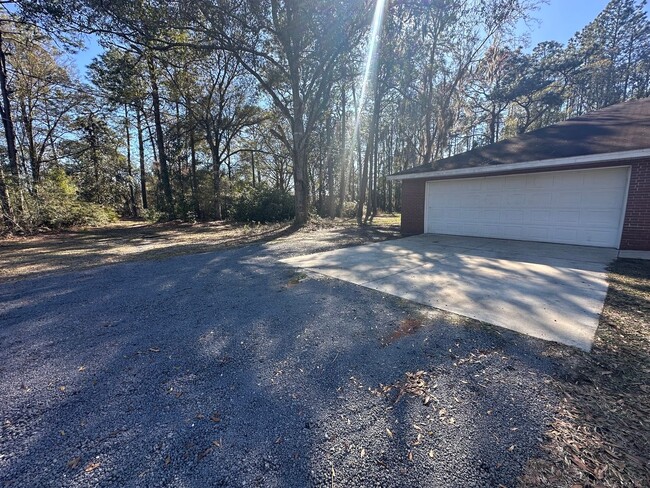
[349,210]
[153,215]
[56,205]
[262,205]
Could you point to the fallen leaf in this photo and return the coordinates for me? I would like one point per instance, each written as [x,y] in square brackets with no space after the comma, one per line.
[168,460]
[215,417]
[431,454]
[217,443]
[511,448]
[443,411]
[82,368]
[410,456]
[363,452]
[62,388]
[154,349]
[90,467]
[203,453]
[74,462]
[390,434]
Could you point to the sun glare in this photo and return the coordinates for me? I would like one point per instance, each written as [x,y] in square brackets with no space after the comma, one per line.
[370,69]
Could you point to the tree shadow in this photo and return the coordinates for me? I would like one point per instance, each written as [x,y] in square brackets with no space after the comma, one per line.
[211,369]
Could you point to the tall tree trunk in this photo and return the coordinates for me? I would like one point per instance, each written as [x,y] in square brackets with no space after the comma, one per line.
[94,156]
[300,170]
[143,173]
[367,161]
[253,167]
[343,154]
[5,203]
[390,155]
[178,155]
[127,128]
[5,112]
[331,199]
[162,156]
[195,183]
[34,164]
[216,175]
[363,181]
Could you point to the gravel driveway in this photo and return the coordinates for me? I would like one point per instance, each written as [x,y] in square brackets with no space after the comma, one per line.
[232,369]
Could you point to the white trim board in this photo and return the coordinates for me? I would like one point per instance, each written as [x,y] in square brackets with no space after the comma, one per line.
[622,156]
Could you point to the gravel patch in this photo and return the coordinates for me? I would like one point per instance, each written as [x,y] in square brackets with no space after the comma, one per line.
[232,369]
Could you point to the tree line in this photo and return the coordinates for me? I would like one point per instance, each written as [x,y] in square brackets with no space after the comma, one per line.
[273,109]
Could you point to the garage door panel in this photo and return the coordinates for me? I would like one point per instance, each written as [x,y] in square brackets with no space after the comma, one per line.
[601,199]
[539,181]
[565,217]
[606,179]
[538,233]
[598,218]
[573,207]
[537,216]
[566,199]
[538,199]
[568,181]
[599,238]
[512,216]
[514,199]
[516,182]
[488,216]
[564,234]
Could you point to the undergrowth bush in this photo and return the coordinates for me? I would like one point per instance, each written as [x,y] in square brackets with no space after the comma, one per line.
[55,205]
[262,205]
[349,210]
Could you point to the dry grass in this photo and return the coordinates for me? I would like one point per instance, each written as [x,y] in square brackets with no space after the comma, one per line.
[386,220]
[120,242]
[22,257]
[601,434]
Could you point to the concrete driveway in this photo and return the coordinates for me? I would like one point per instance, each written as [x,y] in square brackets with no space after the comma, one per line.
[550,291]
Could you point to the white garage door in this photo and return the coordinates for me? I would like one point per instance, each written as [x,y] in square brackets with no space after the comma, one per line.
[572,207]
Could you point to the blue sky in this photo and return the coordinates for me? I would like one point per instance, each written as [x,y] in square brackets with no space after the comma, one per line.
[558,21]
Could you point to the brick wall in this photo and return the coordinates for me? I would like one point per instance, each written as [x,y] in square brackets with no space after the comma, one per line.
[413,206]
[636,228]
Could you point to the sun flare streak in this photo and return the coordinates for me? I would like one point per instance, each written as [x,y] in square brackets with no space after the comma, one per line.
[370,70]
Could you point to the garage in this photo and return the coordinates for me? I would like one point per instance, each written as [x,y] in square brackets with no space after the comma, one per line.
[584,181]
[584,207]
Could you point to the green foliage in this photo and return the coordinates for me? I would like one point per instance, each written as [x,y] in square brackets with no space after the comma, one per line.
[56,205]
[153,215]
[349,210]
[262,205]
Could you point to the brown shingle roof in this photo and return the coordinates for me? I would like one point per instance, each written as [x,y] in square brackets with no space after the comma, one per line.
[621,127]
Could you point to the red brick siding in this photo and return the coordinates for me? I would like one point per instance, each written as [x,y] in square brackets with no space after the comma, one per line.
[413,206]
[636,227]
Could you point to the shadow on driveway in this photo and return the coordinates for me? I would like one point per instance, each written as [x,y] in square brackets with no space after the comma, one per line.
[226,369]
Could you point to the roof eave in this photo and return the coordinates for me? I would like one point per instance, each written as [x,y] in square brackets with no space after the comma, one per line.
[532,165]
